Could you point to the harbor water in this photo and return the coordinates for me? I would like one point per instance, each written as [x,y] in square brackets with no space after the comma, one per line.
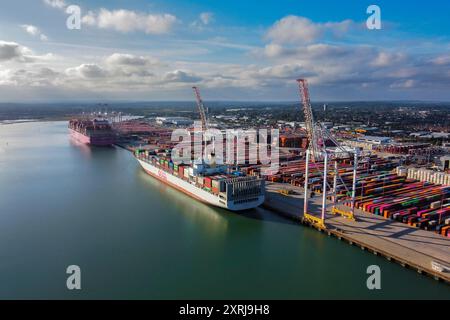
[62,204]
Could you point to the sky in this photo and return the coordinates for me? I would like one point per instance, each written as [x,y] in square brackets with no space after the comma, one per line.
[233,50]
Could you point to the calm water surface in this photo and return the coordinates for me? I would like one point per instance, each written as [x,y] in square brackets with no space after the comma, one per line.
[133,237]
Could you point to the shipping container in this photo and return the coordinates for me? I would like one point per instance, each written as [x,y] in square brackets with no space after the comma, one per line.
[208,182]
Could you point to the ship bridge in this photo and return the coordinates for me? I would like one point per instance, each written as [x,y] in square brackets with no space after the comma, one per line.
[244,189]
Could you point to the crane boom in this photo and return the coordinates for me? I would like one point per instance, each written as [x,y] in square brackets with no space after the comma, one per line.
[309,119]
[201,108]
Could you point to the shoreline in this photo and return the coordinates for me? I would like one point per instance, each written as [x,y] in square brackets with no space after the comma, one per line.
[19,121]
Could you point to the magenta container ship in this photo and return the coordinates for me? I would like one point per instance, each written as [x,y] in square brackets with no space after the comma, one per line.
[95,132]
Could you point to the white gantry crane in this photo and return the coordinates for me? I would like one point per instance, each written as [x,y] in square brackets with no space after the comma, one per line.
[317,151]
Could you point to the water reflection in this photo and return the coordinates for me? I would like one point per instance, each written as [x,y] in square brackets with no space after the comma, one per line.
[84,149]
[211,219]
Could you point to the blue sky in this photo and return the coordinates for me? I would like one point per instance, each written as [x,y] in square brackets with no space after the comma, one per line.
[233,50]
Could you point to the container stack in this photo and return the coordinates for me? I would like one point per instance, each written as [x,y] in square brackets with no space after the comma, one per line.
[418,203]
[422,174]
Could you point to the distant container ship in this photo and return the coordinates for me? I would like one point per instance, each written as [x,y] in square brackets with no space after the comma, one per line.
[95,132]
[209,184]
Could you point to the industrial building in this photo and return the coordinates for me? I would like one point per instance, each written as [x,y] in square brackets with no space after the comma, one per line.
[178,121]
[375,140]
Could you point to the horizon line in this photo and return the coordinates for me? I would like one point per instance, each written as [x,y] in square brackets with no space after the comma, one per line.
[215,101]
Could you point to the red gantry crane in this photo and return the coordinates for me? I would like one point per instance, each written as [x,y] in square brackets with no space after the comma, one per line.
[205,125]
[201,108]
[309,120]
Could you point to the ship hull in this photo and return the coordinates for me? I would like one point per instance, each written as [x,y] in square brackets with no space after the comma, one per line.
[84,139]
[75,135]
[195,192]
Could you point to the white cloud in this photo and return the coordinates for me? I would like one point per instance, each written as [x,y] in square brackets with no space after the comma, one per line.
[347,65]
[404,84]
[181,76]
[14,51]
[34,31]
[288,71]
[118,71]
[87,71]
[58,4]
[441,60]
[90,19]
[318,50]
[130,21]
[206,17]
[293,29]
[273,50]
[344,69]
[41,77]
[339,29]
[5,77]
[300,30]
[131,60]
[384,59]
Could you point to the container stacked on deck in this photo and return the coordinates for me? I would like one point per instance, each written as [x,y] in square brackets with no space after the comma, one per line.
[96,132]
[215,183]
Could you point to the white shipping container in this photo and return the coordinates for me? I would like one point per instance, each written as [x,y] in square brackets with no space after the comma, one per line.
[435,205]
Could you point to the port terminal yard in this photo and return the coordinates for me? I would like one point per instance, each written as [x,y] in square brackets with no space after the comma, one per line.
[411,247]
[426,252]
[421,250]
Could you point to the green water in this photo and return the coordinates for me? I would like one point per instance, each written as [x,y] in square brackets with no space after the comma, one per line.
[133,237]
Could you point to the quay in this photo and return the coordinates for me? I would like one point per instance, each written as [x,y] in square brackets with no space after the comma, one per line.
[411,247]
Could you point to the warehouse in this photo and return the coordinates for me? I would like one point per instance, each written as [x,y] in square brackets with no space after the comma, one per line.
[375,140]
[178,121]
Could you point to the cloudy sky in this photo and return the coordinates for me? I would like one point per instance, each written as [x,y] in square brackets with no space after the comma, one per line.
[233,50]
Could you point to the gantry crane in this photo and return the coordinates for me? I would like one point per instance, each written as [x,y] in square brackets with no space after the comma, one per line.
[317,151]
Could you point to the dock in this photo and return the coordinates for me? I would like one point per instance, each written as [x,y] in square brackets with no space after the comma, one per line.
[411,247]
